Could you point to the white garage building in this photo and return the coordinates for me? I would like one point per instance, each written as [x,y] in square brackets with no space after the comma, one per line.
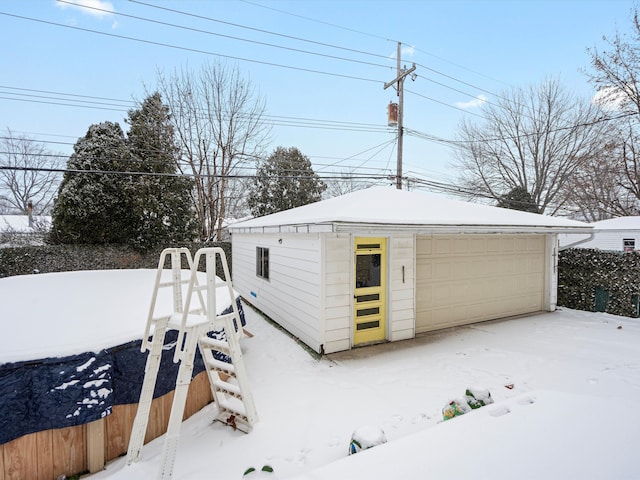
[383,264]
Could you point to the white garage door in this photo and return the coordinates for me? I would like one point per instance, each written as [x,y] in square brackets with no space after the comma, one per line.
[464,279]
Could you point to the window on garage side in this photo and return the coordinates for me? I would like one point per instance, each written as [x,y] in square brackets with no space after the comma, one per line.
[628,244]
[262,262]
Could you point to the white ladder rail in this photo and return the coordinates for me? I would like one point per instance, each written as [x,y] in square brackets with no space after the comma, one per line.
[176,284]
[141,420]
[183,380]
[234,400]
[193,326]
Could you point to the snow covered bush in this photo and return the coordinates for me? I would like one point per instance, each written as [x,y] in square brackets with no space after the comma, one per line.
[478,397]
[474,397]
[599,281]
[454,408]
[366,437]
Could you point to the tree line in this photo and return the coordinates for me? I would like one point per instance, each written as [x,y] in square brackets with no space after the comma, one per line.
[180,170]
[545,150]
[195,155]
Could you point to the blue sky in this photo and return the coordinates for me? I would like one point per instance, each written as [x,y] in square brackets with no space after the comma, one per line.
[463,49]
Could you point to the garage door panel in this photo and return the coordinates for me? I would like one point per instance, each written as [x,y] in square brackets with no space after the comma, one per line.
[442,271]
[476,267]
[426,271]
[493,245]
[459,270]
[460,246]
[534,265]
[510,245]
[477,245]
[536,244]
[444,294]
[476,278]
[442,246]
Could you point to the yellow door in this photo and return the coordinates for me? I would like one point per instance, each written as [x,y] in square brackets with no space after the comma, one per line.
[369,296]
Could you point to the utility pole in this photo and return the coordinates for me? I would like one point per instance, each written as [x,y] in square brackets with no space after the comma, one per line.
[399,80]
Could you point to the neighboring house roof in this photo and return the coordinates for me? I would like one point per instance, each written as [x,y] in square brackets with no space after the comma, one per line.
[619,223]
[20,223]
[386,207]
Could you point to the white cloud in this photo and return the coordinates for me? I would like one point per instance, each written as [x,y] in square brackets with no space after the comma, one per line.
[405,51]
[609,98]
[476,102]
[97,8]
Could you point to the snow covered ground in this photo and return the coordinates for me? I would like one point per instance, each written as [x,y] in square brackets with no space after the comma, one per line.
[565,385]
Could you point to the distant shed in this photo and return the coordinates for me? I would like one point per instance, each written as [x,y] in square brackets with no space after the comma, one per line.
[383,264]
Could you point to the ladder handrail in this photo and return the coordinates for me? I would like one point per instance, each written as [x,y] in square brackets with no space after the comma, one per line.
[210,309]
[176,272]
[234,399]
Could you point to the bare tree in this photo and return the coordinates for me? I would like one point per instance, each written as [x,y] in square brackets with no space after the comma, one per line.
[26,175]
[616,71]
[345,183]
[532,139]
[219,121]
[616,74]
[597,188]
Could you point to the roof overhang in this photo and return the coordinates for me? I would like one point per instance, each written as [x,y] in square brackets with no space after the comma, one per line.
[418,229]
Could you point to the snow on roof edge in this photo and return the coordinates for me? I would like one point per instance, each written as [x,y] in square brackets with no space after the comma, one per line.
[392,207]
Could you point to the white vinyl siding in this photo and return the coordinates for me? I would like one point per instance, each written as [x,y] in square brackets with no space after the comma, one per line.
[401,305]
[292,294]
[612,240]
[471,278]
[338,293]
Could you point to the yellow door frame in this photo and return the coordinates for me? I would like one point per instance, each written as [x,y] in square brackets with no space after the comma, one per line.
[370,288]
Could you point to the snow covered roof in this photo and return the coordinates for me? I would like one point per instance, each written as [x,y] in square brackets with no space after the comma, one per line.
[20,223]
[390,208]
[619,223]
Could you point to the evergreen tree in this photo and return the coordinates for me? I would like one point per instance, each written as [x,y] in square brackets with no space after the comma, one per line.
[162,202]
[131,193]
[96,207]
[518,199]
[285,180]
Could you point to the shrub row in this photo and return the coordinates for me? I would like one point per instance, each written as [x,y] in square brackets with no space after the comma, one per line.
[599,281]
[66,258]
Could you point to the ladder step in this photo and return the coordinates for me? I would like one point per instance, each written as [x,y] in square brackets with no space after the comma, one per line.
[215,344]
[197,288]
[233,419]
[234,405]
[227,387]
[219,365]
[171,284]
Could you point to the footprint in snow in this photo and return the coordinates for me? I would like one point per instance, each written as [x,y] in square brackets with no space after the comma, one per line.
[499,411]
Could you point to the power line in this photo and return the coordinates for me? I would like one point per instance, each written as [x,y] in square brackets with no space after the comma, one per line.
[194,50]
[275,120]
[329,45]
[182,163]
[443,103]
[182,175]
[197,30]
[290,37]
[318,21]
[66,94]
